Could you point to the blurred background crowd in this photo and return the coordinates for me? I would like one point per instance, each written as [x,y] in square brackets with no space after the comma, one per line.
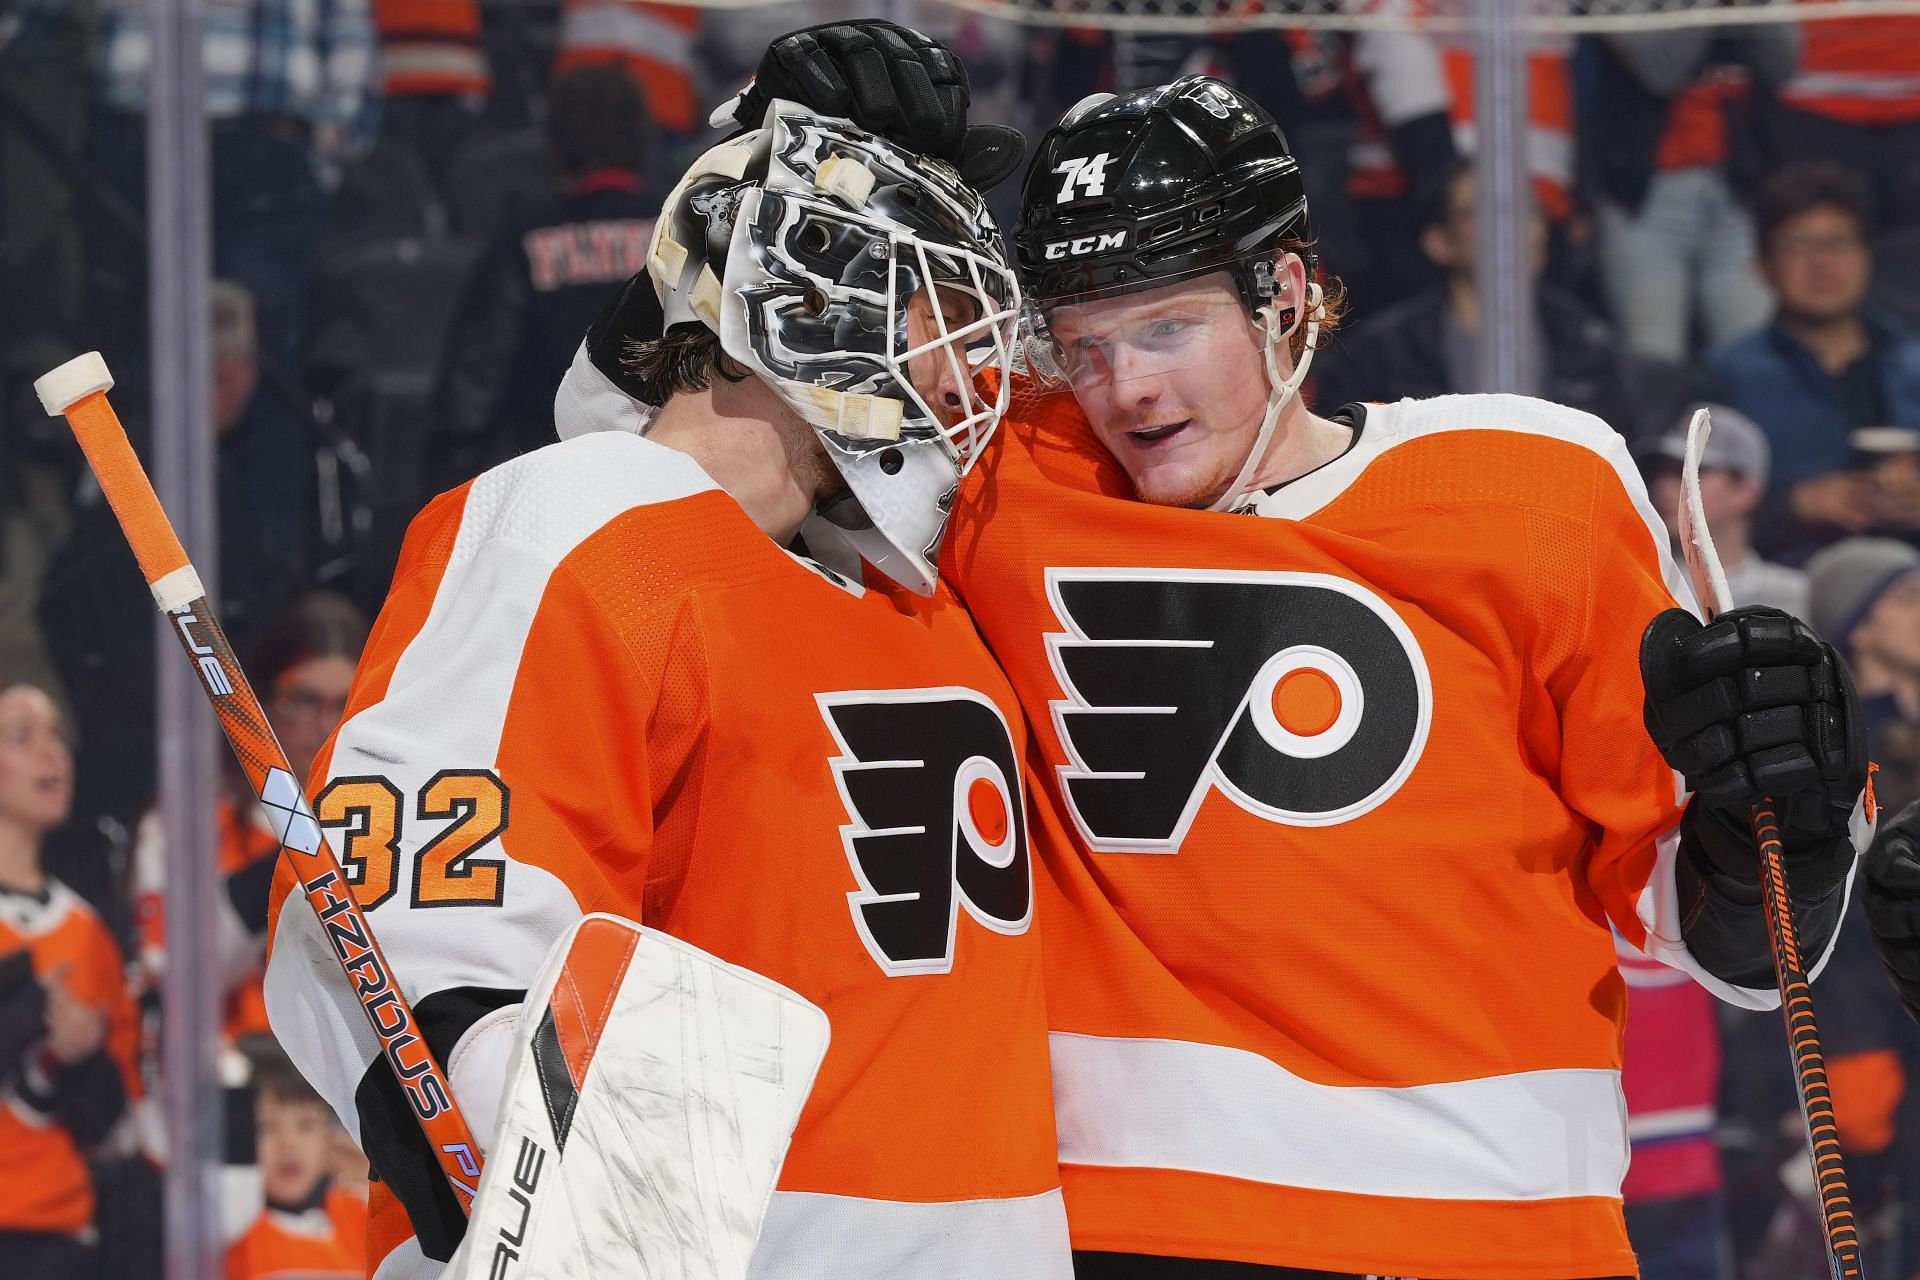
[419,205]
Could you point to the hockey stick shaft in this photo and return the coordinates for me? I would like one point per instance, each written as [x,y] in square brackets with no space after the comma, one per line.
[1789,964]
[78,390]
[1803,1043]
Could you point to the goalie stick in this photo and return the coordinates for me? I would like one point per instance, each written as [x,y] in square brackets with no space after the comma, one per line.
[78,390]
[1789,964]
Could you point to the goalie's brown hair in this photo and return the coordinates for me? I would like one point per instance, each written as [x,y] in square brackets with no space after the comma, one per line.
[687,357]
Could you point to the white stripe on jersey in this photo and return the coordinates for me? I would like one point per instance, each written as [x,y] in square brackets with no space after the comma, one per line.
[1175,1104]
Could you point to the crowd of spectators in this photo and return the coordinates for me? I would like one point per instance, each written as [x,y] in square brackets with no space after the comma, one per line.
[418,206]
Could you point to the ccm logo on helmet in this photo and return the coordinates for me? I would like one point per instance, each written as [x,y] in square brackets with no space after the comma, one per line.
[1301,697]
[931,784]
[1086,244]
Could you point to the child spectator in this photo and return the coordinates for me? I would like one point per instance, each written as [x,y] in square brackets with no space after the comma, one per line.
[308,1227]
[1824,367]
[66,1022]
[1733,483]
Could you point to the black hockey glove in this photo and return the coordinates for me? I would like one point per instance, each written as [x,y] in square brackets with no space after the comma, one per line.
[1754,705]
[892,80]
[1892,873]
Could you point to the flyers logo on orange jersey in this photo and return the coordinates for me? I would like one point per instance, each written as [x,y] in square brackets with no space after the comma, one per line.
[931,783]
[1301,697]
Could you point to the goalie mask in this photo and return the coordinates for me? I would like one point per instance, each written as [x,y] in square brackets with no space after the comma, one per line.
[869,288]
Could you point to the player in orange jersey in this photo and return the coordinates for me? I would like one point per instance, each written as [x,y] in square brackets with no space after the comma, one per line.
[696,671]
[1343,716]
[1399,748]
[66,1020]
[308,1227]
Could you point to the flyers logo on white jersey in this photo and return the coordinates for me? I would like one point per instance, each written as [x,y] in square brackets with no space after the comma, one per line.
[931,784]
[1301,697]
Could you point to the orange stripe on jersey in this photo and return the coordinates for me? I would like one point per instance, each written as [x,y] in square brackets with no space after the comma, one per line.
[1863,70]
[387,1225]
[1549,120]
[583,995]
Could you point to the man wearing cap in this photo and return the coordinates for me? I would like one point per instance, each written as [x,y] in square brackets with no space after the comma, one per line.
[1865,601]
[1733,484]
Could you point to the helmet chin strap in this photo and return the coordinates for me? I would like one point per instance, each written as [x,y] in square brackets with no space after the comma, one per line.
[1280,390]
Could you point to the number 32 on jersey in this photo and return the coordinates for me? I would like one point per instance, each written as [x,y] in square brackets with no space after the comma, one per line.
[447,871]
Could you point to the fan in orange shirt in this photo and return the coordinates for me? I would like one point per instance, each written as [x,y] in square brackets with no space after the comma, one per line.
[309,1227]
[66,1020]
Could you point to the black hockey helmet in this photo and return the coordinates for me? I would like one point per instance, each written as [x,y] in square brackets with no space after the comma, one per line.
[1130,191]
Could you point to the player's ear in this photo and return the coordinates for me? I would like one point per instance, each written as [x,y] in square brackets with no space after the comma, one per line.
[1437,244]
[1290,291]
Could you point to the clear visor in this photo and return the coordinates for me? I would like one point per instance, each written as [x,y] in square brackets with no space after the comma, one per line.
[956,317]
[1098,343]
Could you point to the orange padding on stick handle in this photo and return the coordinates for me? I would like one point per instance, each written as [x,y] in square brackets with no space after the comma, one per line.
[155,545]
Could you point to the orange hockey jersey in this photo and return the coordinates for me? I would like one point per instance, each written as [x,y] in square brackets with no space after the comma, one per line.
[321,1243]
[597,686]
[45,1185]
[1354,788]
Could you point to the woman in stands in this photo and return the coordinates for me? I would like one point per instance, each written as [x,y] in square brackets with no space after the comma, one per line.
[66,1021]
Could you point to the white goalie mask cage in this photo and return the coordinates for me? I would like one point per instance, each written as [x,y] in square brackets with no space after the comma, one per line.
[842,270]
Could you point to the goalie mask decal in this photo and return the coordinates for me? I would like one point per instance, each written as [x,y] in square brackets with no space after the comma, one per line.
[1301,697]
[936,821]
